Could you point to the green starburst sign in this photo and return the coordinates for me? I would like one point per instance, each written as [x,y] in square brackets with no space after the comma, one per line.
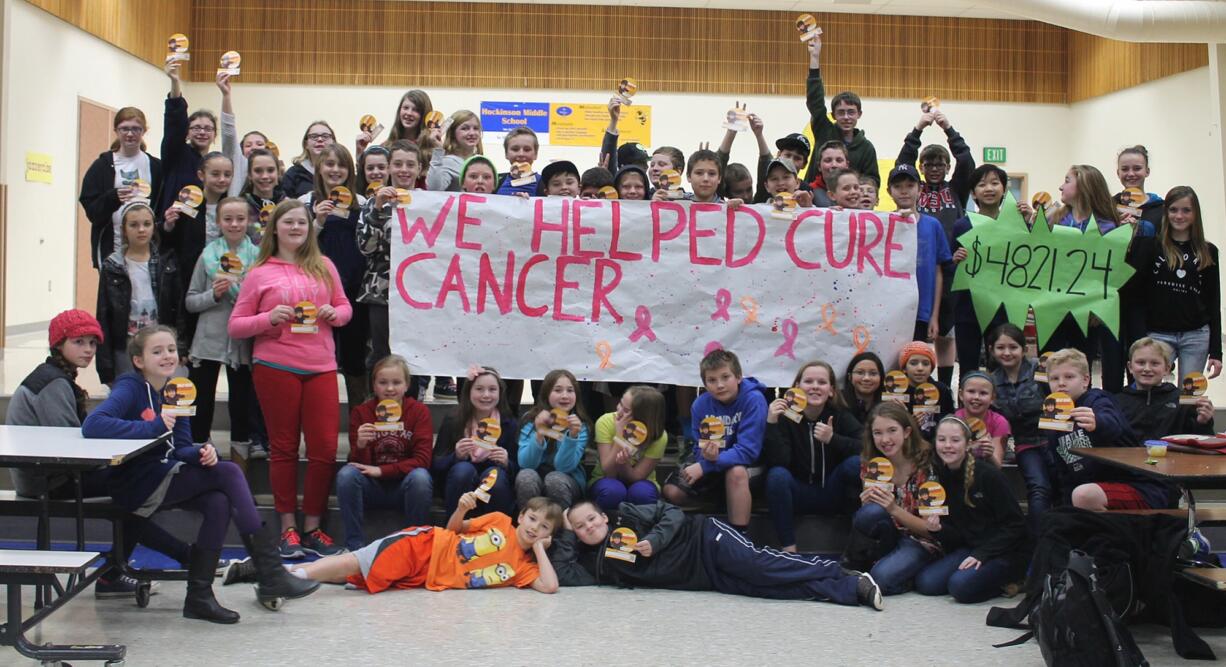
[1054,270]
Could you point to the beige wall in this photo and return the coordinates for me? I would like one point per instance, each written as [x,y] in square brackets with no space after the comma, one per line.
[48,65]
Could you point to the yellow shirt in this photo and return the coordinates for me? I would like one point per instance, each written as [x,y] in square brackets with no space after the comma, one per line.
[606,428]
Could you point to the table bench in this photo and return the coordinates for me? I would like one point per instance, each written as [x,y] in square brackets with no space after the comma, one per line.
[22,567]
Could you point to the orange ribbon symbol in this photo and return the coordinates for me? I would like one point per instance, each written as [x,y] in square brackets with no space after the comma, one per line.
[605,352]
[861,337]
[750,305]
[829,315]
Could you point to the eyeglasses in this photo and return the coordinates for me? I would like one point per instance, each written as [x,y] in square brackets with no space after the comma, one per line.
[322,136]
[846,113]
[201,128]
[129,130]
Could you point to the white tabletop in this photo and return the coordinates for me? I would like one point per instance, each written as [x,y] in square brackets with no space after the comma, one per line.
[28,560]
[65,446]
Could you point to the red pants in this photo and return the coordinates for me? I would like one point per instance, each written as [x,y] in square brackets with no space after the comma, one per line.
[296,404]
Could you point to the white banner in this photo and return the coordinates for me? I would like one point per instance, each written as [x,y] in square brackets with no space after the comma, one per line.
[639,291]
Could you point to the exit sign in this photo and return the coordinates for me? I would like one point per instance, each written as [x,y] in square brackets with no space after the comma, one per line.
[994,154]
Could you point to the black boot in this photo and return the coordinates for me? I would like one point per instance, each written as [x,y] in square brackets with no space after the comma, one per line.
[200,603]
[273,582]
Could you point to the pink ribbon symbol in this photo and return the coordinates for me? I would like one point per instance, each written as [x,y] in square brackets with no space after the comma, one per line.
[642,317]
[723,299]
[711,347]
[790,330]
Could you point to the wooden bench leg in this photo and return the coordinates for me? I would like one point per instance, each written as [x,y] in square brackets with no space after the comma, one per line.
[13,634]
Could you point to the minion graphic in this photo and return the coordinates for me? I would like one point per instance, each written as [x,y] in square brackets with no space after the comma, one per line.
[472,548]
[490,576]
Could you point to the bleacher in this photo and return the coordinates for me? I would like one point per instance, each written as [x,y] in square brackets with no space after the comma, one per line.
[814,534]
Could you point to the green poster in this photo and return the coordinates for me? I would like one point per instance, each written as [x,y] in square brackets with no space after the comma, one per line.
[1054,270]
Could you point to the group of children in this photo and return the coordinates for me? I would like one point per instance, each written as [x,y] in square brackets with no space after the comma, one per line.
[213,259]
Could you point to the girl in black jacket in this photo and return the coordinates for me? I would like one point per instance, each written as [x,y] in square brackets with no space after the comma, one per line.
[815,462]
[185,140]
[862,384]
[138,287]
[111,182]
[338,241]
[984,534]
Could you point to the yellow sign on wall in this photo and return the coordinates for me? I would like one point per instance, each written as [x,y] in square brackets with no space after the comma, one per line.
[38,167]
[584,124]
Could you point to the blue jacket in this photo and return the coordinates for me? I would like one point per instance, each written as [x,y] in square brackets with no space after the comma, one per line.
[932,255]
[123,416]
[1111,430]
[744,423]
[564,455]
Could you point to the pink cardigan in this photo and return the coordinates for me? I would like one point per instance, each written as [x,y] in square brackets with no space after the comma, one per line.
[277,282]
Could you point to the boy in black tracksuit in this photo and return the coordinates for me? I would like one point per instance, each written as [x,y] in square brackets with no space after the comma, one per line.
[697,553]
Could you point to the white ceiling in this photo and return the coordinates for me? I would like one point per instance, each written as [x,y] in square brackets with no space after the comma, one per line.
[958,8]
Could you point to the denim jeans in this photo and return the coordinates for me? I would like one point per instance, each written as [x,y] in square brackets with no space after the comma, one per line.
[787,496]
[896,570]
[1191,348]
[969,585]
[463,477]
[355,492]
[1033,465]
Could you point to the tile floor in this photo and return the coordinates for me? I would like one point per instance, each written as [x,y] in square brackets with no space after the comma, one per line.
[578,626]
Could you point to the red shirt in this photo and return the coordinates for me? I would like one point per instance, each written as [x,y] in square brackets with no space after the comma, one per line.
[397,453]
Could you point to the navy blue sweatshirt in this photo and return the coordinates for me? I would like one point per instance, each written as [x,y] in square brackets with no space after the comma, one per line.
[1111,430]
[133,411]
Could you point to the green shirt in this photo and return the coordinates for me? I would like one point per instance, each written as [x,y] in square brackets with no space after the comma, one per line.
[606,429]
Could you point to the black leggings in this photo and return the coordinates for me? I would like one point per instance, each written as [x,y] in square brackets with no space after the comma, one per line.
[241,405]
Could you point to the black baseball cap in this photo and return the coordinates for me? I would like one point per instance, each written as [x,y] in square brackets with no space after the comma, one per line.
[632,153]
[902,171]
[795,141]
[553,169]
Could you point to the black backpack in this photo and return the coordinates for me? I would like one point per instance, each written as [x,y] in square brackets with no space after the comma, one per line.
[1075,624]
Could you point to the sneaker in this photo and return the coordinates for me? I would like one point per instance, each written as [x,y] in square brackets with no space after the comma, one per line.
[868,593]
[319,543]
[122,586]
[238,572]
[257,450]
[291,544]
[1195,548]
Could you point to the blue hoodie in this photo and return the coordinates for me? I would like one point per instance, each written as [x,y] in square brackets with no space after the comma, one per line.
[744,422]
[1111,430]
[133,411]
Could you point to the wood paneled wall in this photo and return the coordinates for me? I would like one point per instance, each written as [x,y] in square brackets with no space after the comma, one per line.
[489,45]
[139,27]
[425,44]
[1098,66]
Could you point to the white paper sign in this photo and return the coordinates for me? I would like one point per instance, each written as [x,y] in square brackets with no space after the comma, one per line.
[640,291]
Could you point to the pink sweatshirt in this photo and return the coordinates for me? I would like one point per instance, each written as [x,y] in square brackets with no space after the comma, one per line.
[277,282]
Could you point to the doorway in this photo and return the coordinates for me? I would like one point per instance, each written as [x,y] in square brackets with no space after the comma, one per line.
[93,138]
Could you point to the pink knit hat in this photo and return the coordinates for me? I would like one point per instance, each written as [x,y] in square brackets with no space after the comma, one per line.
[72,323]
[916,347]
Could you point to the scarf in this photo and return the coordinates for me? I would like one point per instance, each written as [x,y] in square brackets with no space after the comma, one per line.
[247,252]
